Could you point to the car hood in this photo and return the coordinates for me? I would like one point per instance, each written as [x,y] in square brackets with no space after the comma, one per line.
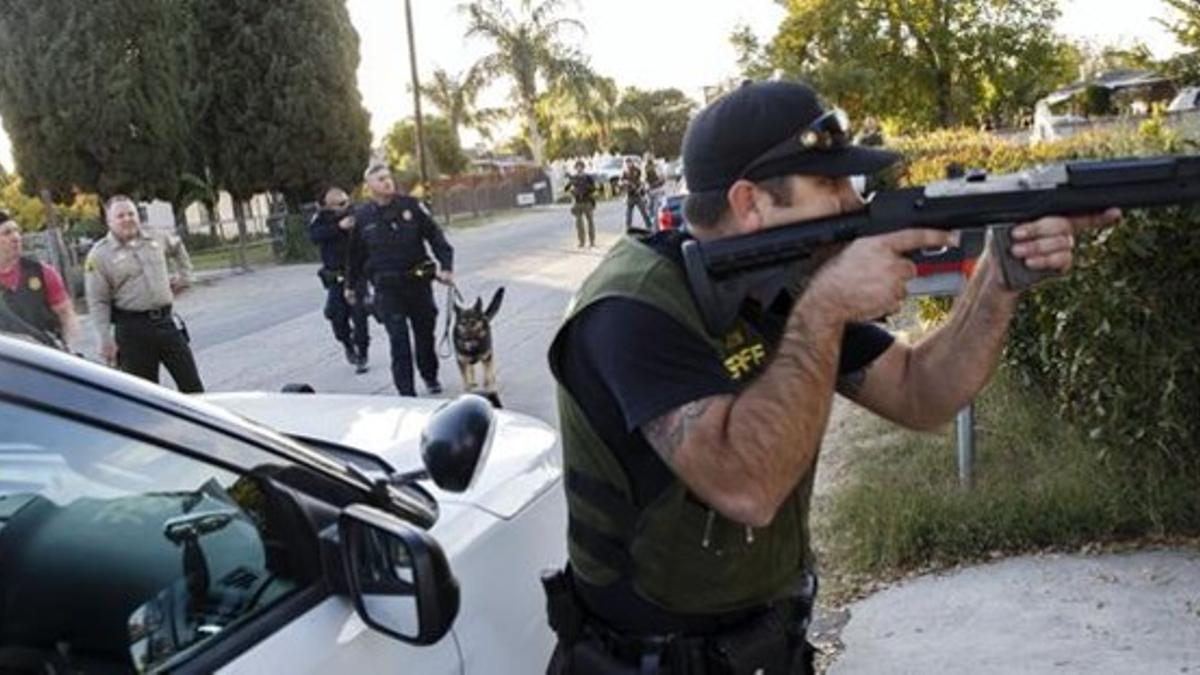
[524,461]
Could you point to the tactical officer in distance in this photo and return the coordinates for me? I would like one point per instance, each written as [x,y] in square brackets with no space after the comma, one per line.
[582,188]
[33,298]
[689,468]
[330,230]
[635,193]
[130,294]
[655,188]
[388,247]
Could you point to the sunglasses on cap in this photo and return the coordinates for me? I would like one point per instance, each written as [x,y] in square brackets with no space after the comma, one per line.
[830,131]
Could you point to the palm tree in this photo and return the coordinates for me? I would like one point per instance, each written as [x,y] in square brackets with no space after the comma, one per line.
[529,50]
[454,96]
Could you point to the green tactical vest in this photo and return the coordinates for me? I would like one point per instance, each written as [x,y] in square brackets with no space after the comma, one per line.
[676,551]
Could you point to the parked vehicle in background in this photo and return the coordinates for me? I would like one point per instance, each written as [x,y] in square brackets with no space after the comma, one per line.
[608,170]
[1188,98]
[670,215]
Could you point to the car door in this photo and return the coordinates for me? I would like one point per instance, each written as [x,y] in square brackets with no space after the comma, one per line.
[135,538]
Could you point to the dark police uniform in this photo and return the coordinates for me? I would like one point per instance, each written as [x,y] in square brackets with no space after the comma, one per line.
[388,248]
[26,309]
[129,295]
[349,321]
[583,190]
[656,573]
[635,195]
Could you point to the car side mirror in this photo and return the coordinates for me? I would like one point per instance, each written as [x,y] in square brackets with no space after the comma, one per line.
[397,576]
[456,441]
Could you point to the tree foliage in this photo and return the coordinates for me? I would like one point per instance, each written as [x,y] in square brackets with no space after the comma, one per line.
[1184,23]
[30,212]
[659,118]
[923,62]
[90,95]
[529,49]
[604,119]
[455,97]
[446,157]
[283,111]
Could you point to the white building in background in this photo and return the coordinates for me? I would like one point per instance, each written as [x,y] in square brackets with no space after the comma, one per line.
[160,216]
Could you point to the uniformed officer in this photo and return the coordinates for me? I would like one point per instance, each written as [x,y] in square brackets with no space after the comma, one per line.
[655,188]
[582,188]
[130,294]
[330,231]
[689,467]
[388,246]
[33,298]
[635,192]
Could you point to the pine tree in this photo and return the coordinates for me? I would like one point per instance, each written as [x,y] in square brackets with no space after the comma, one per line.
[90,95]
[284,112]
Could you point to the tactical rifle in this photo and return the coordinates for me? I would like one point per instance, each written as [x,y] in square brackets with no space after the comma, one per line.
[12,323]
[723,271]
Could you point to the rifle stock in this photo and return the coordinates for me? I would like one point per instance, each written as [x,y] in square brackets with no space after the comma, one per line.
[721,272]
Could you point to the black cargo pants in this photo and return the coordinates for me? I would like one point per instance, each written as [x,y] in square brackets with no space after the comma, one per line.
[145,342]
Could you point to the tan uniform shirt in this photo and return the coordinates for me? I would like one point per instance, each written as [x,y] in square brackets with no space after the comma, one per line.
[132,276]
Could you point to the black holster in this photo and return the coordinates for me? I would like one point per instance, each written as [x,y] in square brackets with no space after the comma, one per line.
[563,610]
[183,329]
[330,278]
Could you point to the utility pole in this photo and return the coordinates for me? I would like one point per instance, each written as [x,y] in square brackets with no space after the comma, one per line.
[416,87]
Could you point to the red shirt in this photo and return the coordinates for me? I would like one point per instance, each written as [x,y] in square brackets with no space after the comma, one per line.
[56,290]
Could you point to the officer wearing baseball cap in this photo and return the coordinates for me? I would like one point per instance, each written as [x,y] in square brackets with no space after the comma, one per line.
[689,467]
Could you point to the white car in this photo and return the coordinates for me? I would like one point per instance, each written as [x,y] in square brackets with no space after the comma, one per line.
[1188,98]
[142,530]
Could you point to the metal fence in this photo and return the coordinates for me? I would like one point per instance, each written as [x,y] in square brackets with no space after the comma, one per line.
[475,194]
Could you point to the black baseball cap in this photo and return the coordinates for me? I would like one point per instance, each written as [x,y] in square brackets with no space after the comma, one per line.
[758,131]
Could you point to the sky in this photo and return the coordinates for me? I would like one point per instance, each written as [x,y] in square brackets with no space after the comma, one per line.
[640,43]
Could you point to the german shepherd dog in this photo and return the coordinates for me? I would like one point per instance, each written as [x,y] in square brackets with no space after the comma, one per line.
[473,344]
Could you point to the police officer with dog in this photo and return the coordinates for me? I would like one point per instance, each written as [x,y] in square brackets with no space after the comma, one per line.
[330,230]
[689,468]
[390,246]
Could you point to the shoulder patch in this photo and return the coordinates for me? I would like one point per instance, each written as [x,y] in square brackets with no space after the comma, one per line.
[89,265]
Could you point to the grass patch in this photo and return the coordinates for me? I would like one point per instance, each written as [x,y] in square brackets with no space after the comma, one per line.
[1038,484]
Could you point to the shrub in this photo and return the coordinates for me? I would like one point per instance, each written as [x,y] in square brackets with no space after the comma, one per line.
[1114,346]
[296,245]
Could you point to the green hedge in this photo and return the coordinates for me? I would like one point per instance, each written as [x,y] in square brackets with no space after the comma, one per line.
[297,247]
[1115,345]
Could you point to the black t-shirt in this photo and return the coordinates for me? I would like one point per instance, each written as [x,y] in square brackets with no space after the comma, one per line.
[626,363]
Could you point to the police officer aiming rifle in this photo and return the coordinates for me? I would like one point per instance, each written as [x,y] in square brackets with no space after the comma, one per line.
[635,193]
[689,467]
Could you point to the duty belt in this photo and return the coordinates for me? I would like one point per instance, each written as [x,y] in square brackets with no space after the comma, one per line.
[156,314]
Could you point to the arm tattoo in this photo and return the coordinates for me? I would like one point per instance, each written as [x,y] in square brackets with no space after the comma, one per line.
[665,434]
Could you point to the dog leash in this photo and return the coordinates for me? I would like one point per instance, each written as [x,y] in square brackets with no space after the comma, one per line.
[444,349]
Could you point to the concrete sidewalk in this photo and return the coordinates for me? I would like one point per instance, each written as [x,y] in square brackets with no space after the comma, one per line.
[1117,613]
